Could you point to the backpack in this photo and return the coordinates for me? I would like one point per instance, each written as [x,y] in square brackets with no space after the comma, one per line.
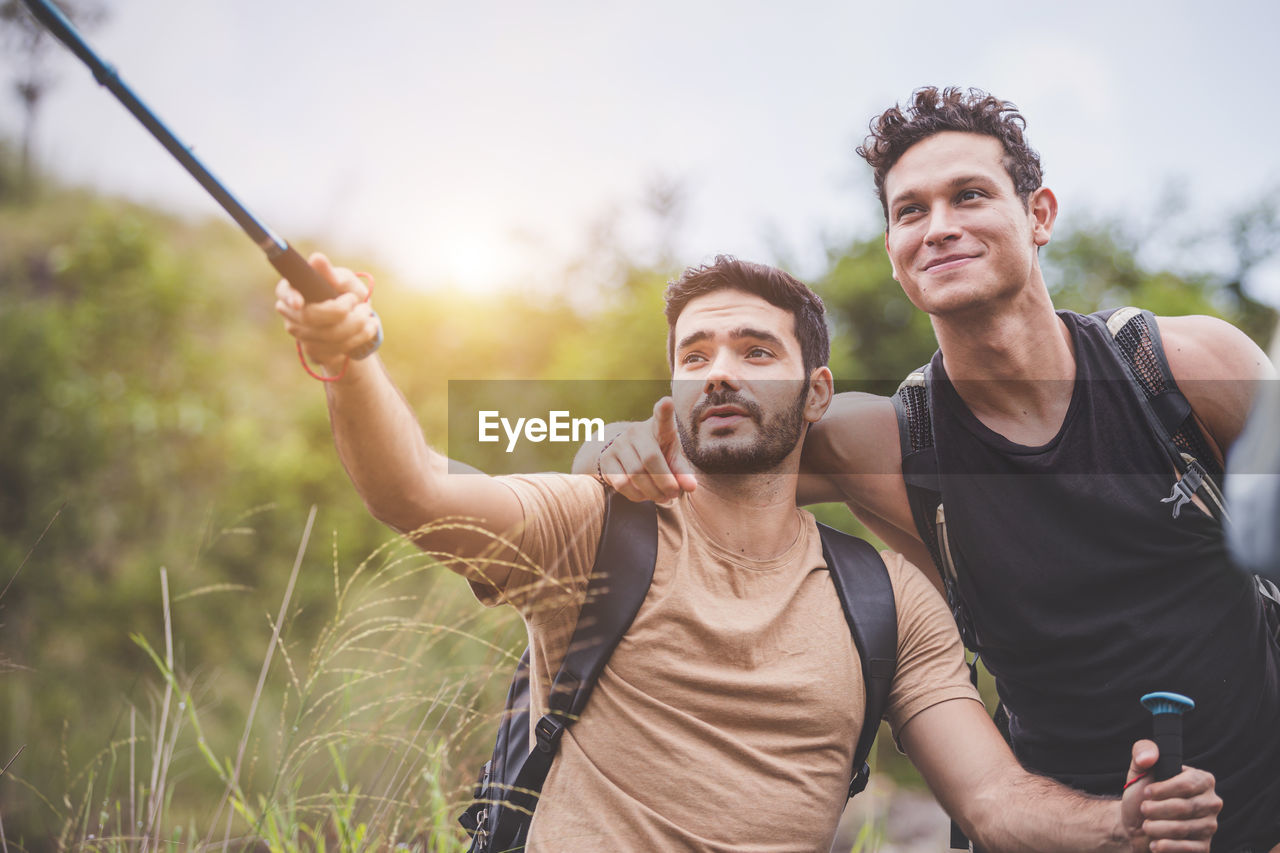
[1135,338]
[510,783]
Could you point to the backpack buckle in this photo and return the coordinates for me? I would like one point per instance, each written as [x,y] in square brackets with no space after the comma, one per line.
[1185,488]
[548,732]
[860,780]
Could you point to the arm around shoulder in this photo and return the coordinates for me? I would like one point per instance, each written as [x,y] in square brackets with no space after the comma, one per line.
[853,453]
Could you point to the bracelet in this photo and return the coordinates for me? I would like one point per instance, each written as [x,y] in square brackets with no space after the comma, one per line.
[599,456]
[365,351]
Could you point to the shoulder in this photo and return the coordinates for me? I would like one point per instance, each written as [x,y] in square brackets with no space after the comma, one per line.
[913,591]
[931,665]
[1218,368]
[559,504]
[563,519]
[1200,347]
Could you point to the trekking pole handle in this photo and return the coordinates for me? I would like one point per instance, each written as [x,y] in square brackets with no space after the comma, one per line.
[1166,728]
[290,264]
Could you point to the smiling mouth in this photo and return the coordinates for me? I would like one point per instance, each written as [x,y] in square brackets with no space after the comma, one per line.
[947,263]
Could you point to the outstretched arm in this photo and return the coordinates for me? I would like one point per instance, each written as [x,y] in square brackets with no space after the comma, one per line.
[403,482]
[1001,806]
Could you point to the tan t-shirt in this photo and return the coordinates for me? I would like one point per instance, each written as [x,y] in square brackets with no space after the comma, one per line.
[727,716]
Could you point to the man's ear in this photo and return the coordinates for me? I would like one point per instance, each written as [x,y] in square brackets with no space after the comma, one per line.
[821,390]
[1043,207]
[892,267]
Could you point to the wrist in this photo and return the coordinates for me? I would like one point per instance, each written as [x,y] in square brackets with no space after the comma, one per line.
[1125,838]
[600,456]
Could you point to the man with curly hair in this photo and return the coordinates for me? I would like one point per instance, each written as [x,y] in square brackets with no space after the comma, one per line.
[1078,576]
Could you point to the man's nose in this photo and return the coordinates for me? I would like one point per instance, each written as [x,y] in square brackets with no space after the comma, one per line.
[722,372]
[943,225]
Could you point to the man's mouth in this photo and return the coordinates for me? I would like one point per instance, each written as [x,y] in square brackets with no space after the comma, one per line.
[723,414]
[947,262]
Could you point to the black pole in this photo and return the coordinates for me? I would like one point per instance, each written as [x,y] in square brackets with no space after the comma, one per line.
[282,256]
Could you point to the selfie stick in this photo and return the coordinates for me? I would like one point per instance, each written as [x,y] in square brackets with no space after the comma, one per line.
[283,257]
[1166,724]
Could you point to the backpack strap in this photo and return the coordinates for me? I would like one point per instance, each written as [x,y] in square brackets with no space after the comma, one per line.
[912,407]
[919,458]
[866,594]
[619,581]
[1135,338]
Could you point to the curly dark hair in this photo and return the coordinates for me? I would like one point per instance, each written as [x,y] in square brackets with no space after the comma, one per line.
[770,284]
[933,110]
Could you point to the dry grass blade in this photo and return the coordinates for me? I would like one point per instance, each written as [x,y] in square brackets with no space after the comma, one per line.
[262,678]
[32,550]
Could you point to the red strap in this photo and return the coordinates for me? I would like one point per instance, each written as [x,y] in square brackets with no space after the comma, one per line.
[343,372]
[1128,784]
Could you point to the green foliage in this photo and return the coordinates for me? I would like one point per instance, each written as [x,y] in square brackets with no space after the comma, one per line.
[154,415]
[878,336]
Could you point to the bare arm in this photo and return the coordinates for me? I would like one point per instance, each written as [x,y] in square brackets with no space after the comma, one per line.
[851,456]
[403,482]
[1001,806]
[1217,367]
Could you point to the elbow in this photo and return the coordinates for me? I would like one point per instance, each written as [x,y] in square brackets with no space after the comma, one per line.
[982,814]
[405,513]
[977,821]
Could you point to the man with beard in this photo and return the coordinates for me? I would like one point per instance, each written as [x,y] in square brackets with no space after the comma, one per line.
[1079,575]
[726,717]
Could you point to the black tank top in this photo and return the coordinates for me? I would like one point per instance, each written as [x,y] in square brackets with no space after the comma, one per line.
[1085,593]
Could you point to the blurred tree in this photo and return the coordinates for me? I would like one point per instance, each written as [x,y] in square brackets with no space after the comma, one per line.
[24,38]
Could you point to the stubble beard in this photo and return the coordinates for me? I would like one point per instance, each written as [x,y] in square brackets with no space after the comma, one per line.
[775,438]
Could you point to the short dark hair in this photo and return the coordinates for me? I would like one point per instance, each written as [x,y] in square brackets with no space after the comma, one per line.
[934,110]
[770,284]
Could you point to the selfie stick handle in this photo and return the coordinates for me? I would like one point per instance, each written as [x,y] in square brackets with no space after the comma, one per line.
[283,257]
[1166,724]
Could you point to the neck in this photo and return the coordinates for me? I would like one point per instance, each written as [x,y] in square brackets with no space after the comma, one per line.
[750,514]
[1013,364]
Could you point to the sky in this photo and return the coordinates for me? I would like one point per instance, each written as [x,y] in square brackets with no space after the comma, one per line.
[479,144]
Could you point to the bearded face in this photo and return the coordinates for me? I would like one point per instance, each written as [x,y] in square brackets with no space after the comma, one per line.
[728,433]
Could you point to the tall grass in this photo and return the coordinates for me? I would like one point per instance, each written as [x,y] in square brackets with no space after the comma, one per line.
[365,736]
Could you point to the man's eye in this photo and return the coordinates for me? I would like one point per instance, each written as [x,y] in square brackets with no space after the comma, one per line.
[908,210]
[970,195]
[692,358]
[759,352]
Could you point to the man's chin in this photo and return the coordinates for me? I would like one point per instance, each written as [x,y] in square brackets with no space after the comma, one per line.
[724,458]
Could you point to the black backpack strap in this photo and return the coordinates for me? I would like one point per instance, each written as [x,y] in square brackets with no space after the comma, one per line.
[619,582]
[866,594]
[620,579]
[1135,338]
[919,459]
[911,405]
